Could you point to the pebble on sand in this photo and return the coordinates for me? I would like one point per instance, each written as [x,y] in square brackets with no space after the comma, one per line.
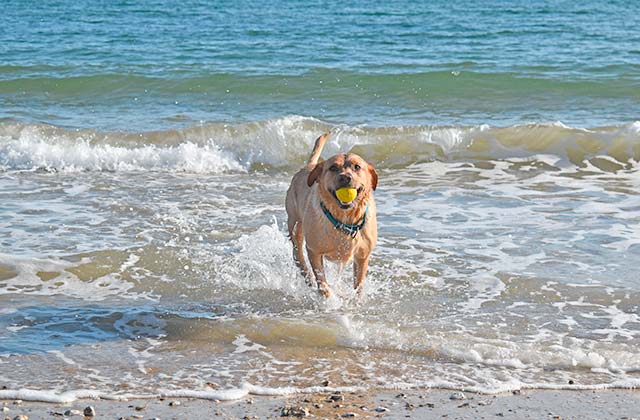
[382,409]
[174,403]
[294,412]
[335,397]
[457,396]
[89,411]
[21,417]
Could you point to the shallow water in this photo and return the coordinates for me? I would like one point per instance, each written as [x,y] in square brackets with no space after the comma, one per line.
[130,264]
[143,173]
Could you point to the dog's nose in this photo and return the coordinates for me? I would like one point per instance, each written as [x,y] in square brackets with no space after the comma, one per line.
[344,179]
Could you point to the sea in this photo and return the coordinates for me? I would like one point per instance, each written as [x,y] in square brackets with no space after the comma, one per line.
[146,149]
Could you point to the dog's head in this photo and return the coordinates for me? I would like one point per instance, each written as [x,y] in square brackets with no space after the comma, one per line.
[344,171]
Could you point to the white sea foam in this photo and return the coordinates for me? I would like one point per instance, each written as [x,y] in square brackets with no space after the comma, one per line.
[263,259]
[28,282]
[67,397]
[548,351]
[33,151]
[486,288]
[60,355]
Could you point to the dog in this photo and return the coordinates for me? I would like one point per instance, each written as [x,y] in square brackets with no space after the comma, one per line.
[327,227]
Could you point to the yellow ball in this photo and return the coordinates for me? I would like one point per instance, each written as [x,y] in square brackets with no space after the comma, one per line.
[346,195]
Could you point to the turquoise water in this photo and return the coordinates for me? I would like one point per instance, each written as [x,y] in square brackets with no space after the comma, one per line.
[146,149]
[127,66]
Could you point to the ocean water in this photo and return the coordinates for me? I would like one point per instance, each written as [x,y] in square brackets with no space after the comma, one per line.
[146,149]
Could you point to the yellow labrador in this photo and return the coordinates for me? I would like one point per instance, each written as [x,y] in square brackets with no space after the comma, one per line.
[332,229]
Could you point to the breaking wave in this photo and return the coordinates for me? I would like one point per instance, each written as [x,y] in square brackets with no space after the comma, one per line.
[286,142]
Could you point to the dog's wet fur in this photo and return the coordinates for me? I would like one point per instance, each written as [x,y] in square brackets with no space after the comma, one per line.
[310,227]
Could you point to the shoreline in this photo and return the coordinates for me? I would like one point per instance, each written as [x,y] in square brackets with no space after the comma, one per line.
[414,403]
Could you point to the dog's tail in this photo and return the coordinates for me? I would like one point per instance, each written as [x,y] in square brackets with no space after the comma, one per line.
[317,150]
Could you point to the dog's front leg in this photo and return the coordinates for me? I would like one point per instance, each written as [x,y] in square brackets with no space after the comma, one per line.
[297,239]
[360,266]
[317,265]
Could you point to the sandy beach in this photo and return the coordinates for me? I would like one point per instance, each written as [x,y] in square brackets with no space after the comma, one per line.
[416,404]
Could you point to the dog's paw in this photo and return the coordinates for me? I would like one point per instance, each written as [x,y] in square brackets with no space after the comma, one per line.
[311,281]
[324,290]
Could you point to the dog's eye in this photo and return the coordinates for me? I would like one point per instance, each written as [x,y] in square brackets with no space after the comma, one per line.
[333,168]
[356,167]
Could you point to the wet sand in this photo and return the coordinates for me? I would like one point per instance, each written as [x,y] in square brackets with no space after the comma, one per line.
[416,404]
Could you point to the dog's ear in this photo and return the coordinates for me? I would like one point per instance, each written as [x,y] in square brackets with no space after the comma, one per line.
[315,174]
[374,177]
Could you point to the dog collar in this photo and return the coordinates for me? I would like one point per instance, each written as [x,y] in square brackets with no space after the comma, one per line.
[347,229]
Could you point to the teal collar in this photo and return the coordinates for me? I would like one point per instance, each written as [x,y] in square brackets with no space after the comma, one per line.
[347,229]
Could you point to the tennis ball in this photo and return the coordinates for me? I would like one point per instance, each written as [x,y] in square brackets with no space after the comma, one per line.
[346,195]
